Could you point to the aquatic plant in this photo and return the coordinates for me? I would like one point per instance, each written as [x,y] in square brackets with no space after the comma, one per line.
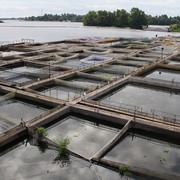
[63,143]
[41,131]
[105,75]
[123,169]
[162,160]
[166,150]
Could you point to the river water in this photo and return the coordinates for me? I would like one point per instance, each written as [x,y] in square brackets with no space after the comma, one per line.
[55,31]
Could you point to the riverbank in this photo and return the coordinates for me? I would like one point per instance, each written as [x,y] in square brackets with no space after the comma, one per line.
[175,28]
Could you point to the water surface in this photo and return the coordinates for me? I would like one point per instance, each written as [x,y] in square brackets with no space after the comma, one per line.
[55,31]
[146,98]
[86,82]
[61,92]
[168,75]
[86,137]
[146,152]
[13,110]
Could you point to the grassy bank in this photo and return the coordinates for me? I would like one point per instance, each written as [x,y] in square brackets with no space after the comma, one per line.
[175,27]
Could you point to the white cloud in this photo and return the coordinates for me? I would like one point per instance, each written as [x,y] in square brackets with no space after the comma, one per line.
[14,8]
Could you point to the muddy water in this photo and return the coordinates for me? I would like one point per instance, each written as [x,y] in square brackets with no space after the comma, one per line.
[86,137]
[147,152]
[160,74]
[61,92]
[146,98]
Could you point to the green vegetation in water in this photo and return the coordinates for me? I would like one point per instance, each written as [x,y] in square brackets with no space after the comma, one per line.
[123,169]
[41,131]
[166,150]
[63,143]
[162,160]
[108,76]
[175,27]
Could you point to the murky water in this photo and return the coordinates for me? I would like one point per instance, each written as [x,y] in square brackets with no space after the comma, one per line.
[9,53]
[143,59]
[9,73]
[29,162]
[106,75]
[86,137]
[76,63]
[22,80]
[86,82]
[61,92]
[147,152]
[120,69]
[54,31]
[168,75]
[175,63]
[13,110]
[128,61]
[24,69]
[6,74]
[146,98]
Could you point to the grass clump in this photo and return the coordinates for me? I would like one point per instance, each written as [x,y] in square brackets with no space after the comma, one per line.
[63,143]
[123,169]
[41,131]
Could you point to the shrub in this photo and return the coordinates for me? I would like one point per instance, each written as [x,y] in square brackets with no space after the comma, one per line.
[63,143]
[123,169]
[41,131]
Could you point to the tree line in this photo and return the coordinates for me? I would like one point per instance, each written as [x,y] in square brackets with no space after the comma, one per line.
[121,18]
[62,17]
[136,18]
[163,20]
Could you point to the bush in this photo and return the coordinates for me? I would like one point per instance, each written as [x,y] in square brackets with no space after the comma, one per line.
[123,169]
[41,131]
[63,143]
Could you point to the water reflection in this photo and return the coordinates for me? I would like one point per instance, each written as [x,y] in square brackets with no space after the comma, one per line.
[147,152]
[161,74]
[61,92]
[27,163]
[146,98]
[74,63]
[54,31]
[86,82]
[86,138]
[106,75]
[13,111]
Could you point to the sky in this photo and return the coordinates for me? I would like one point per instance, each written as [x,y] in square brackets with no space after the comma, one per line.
[23,8]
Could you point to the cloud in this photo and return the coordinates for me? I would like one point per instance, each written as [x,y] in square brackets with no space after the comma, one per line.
[14,8]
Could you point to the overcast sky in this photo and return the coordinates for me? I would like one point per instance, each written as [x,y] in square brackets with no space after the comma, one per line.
[21,8]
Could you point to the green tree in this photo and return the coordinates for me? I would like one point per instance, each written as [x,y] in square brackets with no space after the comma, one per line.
[91,18]
[137,18]
[121,18]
